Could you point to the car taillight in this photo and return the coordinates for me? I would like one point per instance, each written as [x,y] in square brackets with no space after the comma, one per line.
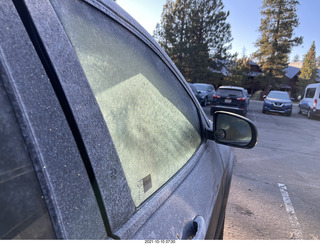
[216,96]
[241,99]
[315,103]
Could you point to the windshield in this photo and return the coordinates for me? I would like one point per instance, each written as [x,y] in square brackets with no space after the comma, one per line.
[201,87]
[279,95]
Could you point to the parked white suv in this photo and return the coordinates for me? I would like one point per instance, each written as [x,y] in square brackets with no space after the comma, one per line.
[310,104]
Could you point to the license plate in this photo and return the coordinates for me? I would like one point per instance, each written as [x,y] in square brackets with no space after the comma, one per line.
[227,100]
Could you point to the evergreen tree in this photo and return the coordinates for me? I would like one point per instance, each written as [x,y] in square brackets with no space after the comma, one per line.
[194,33]
[296,58]
[309,69]
[240,72]
[276,41]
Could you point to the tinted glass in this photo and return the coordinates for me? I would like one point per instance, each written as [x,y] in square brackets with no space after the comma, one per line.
[151,118]
[193,88]
[279,95]
[310,92]
[229,92]
[202,87]
[23,210]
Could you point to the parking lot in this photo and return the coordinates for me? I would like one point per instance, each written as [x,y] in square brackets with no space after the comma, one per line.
[275,190]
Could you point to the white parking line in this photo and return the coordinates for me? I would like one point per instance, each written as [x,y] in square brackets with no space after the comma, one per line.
[297,234]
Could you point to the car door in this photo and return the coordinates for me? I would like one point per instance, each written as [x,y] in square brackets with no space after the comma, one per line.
[307,101]
[139,131]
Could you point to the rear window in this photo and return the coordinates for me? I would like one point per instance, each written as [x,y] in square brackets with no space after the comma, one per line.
[229,92]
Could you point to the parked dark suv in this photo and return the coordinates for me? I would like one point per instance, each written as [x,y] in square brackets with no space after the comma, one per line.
[100,135]
[230,98]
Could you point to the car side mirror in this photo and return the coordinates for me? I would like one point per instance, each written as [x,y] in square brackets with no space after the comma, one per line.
[233,130]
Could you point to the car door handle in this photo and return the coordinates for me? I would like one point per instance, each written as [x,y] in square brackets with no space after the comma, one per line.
[200,227]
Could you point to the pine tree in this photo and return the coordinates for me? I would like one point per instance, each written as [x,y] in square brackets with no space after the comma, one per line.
[309,69]
[276,41]
[240,72]
[194,33]
[296,58]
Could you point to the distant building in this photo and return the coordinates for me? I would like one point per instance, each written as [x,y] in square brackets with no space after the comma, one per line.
[292,76]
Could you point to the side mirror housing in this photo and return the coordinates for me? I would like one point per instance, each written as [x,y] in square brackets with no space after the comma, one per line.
[233,130]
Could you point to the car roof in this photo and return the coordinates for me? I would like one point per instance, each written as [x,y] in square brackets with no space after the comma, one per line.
[202,84]
[231,87]
[313,85]
[277,91]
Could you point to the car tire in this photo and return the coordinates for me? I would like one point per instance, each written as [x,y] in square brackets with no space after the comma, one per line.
[289,114]
[211,111]
[244,113]
[309,114]
[299,112]
[205,101]
[263,111]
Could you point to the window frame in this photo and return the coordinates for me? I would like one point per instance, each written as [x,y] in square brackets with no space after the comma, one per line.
[121,214]
[43,125]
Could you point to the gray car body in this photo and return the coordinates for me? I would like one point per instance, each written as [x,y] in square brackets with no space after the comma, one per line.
[205,93]
[72,158]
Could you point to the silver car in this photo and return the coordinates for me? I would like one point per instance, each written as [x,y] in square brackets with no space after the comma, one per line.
[100,135]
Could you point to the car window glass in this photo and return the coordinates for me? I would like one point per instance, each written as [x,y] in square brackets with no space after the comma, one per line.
[310,92]
[201,87]
[152,120]
[229,92]
[24,214]
[278,95]
[193,88]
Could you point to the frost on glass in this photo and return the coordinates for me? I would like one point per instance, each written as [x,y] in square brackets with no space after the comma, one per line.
[152,137]
[143,103]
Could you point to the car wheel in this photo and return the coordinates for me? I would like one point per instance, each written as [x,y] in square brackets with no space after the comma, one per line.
[289,114]
[263,111]
[211,111]
[205,101]
[299,112]
[309,114]
[244,113]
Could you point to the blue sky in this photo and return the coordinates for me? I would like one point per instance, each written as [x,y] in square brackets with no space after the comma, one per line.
[244,19]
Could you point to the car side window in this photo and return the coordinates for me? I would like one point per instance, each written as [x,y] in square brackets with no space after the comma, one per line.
[310,92]
[152,120]
[24,214]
